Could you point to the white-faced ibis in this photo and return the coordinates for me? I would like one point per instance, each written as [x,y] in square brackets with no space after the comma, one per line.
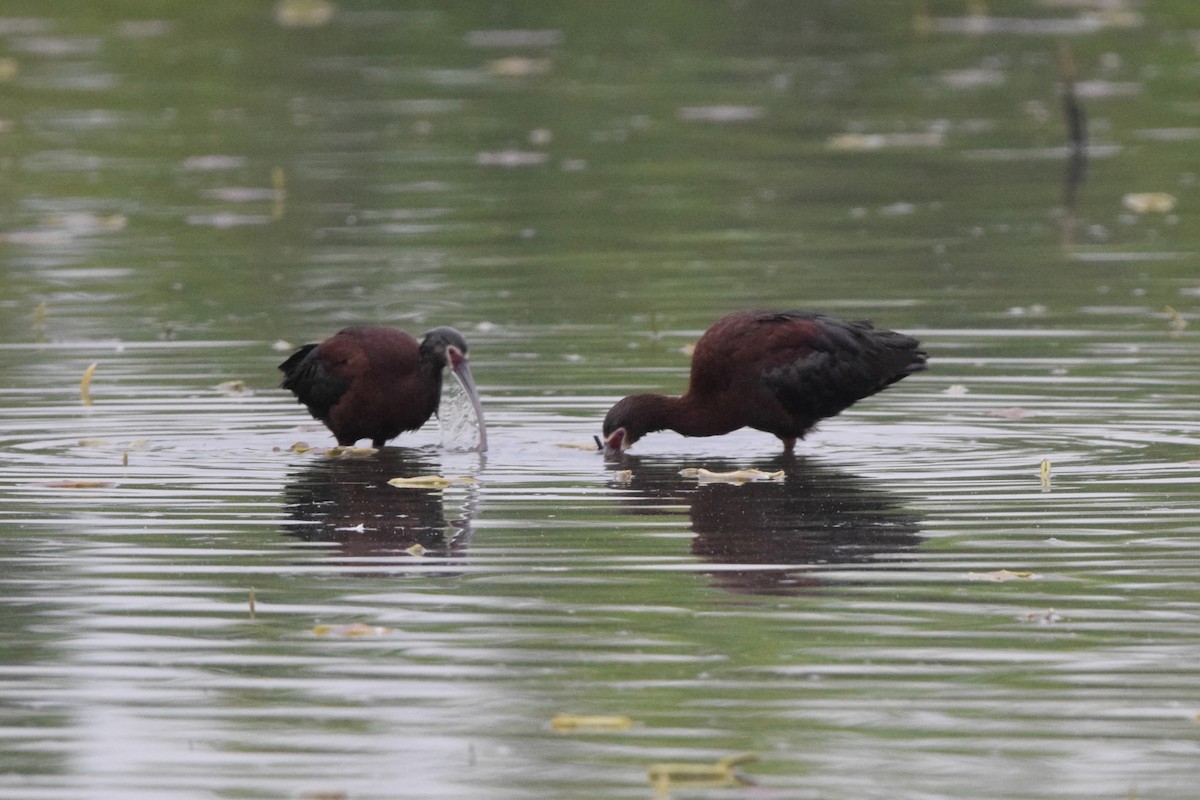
[375,382]
[775,371]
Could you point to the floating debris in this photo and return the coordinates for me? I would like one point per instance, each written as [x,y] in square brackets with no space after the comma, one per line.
[300,447]
[1044,617]
[278,192]
[1178,323]
[581,722]
[282,346]
[351,452]
[518,66]
[232,387]
[303,13]
[1149,202]
[956,390]
[75,484]
[1001,575]
[668,776]
[861,142]
[353,630]
[85,385]
[623,476]
[737,476]
[579,446]
[251,602]
[1044,470]
[94,442]
[416,551]
[428,482]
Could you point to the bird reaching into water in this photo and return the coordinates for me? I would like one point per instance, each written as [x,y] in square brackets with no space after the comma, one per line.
[775,371]
[377,382]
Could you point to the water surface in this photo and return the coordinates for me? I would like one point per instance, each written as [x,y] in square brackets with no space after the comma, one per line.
[916,609]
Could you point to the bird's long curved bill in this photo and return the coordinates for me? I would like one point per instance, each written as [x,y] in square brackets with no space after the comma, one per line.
[462,373]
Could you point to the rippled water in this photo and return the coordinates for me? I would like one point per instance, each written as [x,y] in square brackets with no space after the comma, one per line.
[851,623]
[981,583]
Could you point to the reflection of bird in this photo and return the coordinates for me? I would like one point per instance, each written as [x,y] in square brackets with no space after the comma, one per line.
[375,382]
[766,534]
[348,502]
[778,372]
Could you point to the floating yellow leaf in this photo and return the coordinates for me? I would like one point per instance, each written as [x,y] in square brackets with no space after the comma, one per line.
[86,384]
[1149,202]
[737,476]
[417,550]
[668,776]
[572,722]
[352,631]
[1044,470]
[300,447]
[577,446]
[1001,575]
[94,442]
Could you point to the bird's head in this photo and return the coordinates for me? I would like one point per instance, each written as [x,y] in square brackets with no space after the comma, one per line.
[623,425]
[445,347]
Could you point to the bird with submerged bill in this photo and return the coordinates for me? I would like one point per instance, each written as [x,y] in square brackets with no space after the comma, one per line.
[775,371]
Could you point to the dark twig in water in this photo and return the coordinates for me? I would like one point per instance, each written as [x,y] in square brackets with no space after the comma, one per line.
[1076,129]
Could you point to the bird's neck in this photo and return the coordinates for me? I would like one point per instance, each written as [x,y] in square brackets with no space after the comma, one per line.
[680,414]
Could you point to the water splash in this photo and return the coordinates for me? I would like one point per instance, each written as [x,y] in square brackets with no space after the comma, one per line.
[460,426]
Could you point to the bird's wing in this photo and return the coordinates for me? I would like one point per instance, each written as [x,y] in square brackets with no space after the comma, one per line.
[819,366]
[312,381]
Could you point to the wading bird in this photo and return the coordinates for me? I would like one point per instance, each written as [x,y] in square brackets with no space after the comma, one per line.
[376,382]
[775,371]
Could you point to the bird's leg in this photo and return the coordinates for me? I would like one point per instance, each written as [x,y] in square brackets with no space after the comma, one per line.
[789,444]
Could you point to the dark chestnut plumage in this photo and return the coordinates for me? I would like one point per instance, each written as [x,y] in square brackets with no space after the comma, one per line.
[375,382]
[776,371]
